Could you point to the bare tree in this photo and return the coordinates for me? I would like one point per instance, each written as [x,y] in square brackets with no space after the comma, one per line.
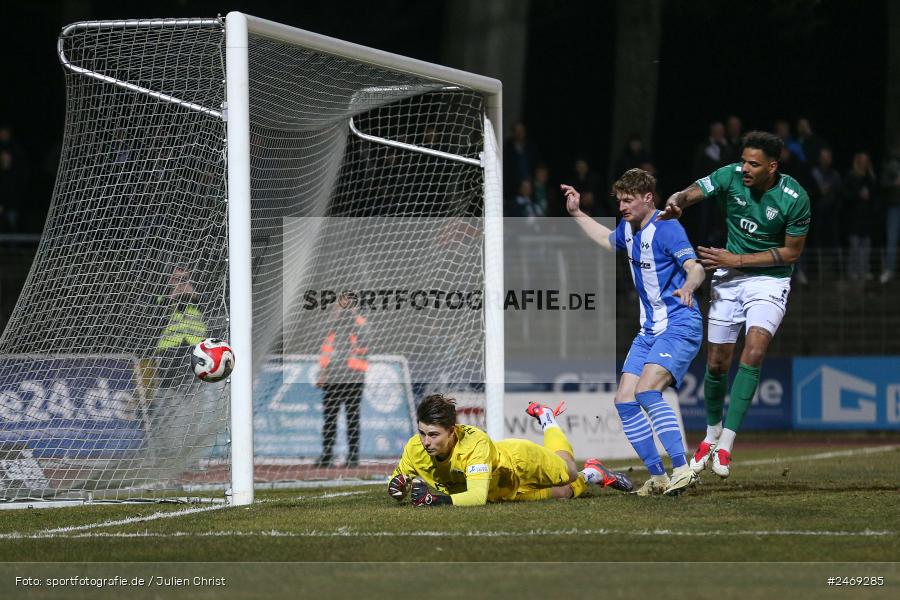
[892,76]
[638,28]
[490,38]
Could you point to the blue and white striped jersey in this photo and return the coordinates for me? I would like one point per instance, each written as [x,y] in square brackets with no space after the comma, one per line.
[656,253]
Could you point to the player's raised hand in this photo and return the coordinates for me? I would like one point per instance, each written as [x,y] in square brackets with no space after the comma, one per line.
[671,209]
[398,487]
[573,199]
[422,496]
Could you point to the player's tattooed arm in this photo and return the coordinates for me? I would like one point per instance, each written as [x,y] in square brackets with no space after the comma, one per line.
[713,258]
[678,201]
[777,260]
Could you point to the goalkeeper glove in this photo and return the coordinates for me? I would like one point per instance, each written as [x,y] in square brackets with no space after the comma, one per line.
[422,496]
[398,487]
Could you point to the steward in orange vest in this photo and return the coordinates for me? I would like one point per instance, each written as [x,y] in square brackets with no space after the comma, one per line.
[342,375]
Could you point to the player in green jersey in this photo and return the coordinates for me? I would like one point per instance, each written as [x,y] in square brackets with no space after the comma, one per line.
[767,218]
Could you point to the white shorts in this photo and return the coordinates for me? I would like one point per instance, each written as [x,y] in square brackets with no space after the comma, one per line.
[739,298]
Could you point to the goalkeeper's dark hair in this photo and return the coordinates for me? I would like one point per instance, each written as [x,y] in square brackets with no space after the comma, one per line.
[634,182]
[437,409]
[769,143]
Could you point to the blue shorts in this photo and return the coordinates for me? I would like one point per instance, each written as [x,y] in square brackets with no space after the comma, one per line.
[674,349]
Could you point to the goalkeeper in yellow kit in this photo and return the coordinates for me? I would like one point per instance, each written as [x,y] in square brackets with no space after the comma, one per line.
[447,463]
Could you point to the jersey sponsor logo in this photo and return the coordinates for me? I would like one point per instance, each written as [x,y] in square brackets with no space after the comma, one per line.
[665,355]
[645,245]
[684,252]
[740,201]
[790,192]
[477,469]
[802,222]
[628,240]
[706,184]
[639,264]
[749,226]
[771,212]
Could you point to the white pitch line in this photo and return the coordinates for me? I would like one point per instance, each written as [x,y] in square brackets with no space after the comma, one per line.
[772,461]
[348,533]
[821,455]
[64,531]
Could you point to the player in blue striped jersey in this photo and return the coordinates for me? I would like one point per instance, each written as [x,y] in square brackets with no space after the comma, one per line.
[666,273]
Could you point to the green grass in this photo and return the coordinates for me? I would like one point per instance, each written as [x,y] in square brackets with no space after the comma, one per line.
[838,510]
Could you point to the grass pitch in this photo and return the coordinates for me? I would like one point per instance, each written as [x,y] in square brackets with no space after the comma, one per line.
[814,504]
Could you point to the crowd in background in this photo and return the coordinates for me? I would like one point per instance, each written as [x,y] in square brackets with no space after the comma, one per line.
[854,208]
[855,205]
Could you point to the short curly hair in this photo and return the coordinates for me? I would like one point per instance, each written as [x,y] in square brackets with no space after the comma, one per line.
[769,143]
[634,181]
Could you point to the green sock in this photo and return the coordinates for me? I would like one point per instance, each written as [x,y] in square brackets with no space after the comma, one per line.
[714,387]
[742,391]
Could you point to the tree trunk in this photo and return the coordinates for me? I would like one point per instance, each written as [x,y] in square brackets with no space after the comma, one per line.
[638,27]
[892,77]
[490,38]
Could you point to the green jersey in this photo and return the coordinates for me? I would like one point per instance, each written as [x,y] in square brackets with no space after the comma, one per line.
[756,224]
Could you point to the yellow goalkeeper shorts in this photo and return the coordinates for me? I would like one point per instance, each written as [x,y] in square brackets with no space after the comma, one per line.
[536,467]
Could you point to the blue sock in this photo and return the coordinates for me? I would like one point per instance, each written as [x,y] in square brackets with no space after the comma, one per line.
[665,424]
[637,430]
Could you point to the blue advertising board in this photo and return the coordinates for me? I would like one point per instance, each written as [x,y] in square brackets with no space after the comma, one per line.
[847,392]
[287,409]
[770,409]
[71,406]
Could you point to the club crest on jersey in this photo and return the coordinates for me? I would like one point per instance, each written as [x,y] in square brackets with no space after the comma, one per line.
[771,212]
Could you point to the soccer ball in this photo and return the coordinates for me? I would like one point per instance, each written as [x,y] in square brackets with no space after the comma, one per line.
[212,360]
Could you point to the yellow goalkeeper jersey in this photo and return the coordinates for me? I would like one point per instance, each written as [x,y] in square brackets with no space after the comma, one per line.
[474,459]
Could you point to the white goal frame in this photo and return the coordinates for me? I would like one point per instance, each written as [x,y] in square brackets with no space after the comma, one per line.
[236,114]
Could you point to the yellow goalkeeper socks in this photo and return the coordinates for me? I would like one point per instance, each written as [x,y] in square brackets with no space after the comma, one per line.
[556,441]
[579,486]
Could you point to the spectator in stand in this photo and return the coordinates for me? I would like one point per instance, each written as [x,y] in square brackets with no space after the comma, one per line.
[811,142]
[734,132]
[584,178]
[712,152]
[825,200]
[524,204]
[890,194]
[789,164]
[783,130]
[544,193]
[520,157]
[633,156]
[11,188]
[13,180]
[859,204]
[709,156]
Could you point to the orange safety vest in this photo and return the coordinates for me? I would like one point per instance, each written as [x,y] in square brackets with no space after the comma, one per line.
[356,361]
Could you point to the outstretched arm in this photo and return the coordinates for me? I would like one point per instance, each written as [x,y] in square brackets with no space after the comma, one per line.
[678,201]
[695,276]
[592,228]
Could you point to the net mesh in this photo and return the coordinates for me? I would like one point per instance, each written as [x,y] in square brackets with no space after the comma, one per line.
[96,391]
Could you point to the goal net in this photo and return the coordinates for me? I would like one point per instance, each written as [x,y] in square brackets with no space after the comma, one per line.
[291,193]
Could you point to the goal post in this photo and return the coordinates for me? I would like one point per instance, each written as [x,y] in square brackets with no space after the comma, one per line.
[238,29]
[213,172]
